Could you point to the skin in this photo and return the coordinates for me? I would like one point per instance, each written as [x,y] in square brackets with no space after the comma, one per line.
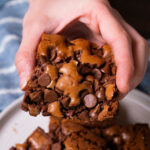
[104,24]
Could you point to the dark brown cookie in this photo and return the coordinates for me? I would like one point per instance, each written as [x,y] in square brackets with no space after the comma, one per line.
[128,137]
[67,134]
[71,78]
[63,135]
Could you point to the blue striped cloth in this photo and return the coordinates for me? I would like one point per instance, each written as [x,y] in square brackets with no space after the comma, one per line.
[11,14]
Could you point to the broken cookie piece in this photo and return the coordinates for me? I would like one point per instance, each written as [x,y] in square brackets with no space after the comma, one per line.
[67,134]
[63,135]
[72,79]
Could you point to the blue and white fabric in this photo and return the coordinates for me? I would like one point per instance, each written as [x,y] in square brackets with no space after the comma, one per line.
[11,15]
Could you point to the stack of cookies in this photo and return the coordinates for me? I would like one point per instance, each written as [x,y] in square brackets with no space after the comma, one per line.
[74,82]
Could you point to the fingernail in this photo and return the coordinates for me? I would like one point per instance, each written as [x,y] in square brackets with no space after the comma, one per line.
[23,80]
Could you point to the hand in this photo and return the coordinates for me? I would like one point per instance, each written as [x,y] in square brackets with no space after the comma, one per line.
[131,51]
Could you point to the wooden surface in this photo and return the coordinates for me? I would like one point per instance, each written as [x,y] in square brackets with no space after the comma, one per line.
[136,13]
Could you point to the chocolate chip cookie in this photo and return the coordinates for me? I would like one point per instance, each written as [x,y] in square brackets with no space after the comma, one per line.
[72,79]
[67,134]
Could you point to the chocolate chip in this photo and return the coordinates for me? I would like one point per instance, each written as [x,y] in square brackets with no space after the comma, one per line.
[90,100]
[56,146]
[44,79]
[100,94]
[97,74]
[50,96]
[36,96]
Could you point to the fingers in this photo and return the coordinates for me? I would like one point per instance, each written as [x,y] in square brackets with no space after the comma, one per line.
[140,55]
[140,50]
[24,60]
[117,37]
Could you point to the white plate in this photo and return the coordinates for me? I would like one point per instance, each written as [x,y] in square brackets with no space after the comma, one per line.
[16,125]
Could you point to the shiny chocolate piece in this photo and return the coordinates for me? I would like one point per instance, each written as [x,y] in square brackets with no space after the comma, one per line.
[71,78]
[90,101]
[50,95]
[44,79]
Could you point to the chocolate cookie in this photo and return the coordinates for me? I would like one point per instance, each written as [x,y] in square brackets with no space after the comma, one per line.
[63,135]
[72,79]
[127,137]
[67,134]
[38,140]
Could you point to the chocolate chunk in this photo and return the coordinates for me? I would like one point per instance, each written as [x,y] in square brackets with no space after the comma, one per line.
[36,96]
[56,146]
[65,101]
[44,79]
[34,110]
[100,94]
[50,96]
[90,101]
[54,109]
[97,74]
[106,68]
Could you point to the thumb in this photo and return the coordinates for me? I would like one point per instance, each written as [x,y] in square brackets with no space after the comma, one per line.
[25,57]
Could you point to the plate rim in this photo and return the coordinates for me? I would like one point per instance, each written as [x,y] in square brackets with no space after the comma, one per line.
[10,107]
